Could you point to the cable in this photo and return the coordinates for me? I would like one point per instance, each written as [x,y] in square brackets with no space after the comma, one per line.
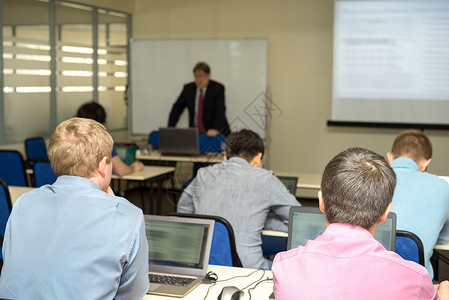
[261,281]
[232,278]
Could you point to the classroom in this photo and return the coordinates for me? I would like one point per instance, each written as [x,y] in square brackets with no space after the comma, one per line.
[300,41]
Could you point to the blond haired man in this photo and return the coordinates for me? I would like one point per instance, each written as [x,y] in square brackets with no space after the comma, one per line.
[421,199]
[74,239]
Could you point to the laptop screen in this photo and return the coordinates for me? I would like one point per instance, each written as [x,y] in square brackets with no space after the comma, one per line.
[290,183]
[307,223]
[175,242]
[178,141]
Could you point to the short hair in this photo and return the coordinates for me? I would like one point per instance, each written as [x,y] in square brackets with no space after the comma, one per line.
[77,146]
[92,110]
[357,186]
[412,144]
[202,66]
[245,144]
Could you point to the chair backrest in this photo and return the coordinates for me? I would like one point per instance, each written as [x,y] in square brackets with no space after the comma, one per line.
[5,210]
[35,148]
[153,139]
[409,246]
[209,144]
[43,174]
[12,169]
[223,251]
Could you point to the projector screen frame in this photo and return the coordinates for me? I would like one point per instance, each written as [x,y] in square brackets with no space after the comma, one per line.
[388,125]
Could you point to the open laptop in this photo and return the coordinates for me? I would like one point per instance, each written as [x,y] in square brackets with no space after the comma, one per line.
[306,223]
[179,247]
[290,183]
[178,141]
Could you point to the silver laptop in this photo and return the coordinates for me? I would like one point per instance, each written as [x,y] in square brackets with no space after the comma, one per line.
[306,223]
[178,253]
[178,141]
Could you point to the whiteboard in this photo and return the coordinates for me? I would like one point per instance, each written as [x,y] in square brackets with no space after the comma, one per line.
[160,68]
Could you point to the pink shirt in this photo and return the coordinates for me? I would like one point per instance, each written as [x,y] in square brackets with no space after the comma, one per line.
[346,262]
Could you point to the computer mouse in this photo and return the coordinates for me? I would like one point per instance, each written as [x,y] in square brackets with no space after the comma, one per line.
[230,293]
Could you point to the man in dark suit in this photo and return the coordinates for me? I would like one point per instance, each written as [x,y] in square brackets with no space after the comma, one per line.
[204,99]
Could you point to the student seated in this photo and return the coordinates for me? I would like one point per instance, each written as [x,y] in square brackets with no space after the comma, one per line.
[74,239]
[346,262]
[243,193]
[95,111]
[421,199]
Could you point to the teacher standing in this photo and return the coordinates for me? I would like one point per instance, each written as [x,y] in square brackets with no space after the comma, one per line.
[205,101]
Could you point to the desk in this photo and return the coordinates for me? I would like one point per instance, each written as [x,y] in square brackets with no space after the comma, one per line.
[261,292]
[308,184]
[211,158]
[149,174]
[17,191]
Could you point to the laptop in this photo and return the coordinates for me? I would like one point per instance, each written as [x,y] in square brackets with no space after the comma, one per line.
[178,141]
[177,247]
[290,183]
[126,152]
[306,223]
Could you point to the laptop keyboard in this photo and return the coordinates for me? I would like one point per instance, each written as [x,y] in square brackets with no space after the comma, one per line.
[170,280]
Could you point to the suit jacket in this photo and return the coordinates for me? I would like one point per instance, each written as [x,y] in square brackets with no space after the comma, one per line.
[213,107]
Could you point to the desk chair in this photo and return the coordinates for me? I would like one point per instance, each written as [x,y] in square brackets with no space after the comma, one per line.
[35,148]
[210,144]
[272,244]
[223,251]
[153,139]
[12,169]
[5,211]
[43,173]
[409,246]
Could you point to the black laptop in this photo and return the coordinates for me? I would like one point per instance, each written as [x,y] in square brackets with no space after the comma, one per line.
[178,141]
[306,223]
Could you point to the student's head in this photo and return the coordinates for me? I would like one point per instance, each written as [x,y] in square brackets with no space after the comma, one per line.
[412,144]
[201,72]
[77,146]
[92,110]
[357,188]
[245,144]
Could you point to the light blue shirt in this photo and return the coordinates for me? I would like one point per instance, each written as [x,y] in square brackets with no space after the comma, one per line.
[70,240]
[421,203]
[243,195]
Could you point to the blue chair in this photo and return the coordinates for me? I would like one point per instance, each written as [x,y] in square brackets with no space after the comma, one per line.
[273,244]
[5,211]
[12,169]
[409,246]
[210,144]
[153,139]
[223,251]
[35,149]
[43,173]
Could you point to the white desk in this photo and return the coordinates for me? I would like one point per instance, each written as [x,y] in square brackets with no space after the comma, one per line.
[16,191]
[157,156]
[261,292]
[148,175]
[148,172]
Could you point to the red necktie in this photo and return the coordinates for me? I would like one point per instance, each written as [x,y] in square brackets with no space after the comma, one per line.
[199,121]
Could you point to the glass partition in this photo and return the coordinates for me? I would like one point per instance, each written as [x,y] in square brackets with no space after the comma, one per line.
[112,67]
[27,63]
[26,69]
